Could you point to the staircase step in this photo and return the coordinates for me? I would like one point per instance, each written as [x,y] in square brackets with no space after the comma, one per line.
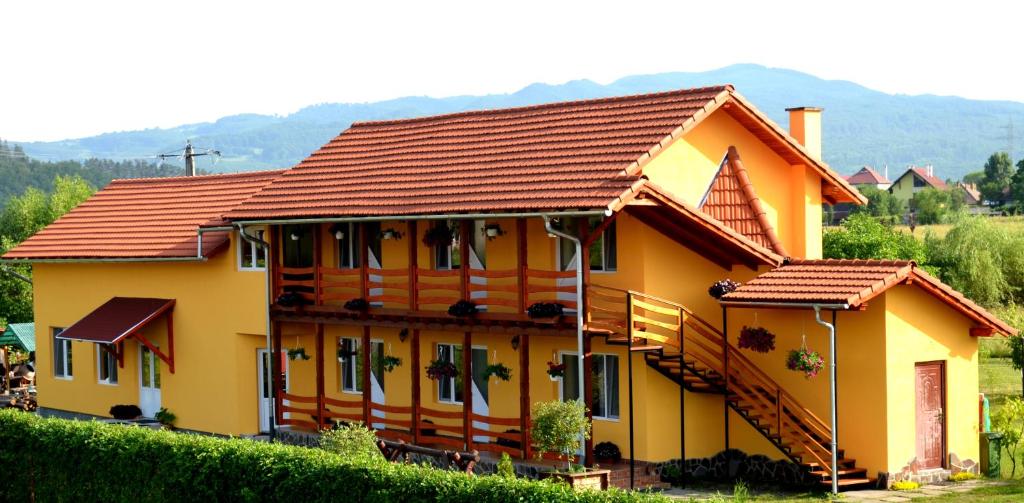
[850,473]
[851,484]
[647,348]
[843,462]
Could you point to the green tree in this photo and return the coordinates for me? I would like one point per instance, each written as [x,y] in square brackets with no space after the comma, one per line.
[998,172]
[22,217]
[980,259]
[975,177]
[932,206]
[557,426]
[1017,186]
[862,236]
[882,205]
[1009,420]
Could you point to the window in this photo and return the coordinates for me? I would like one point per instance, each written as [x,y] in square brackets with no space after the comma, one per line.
[605,382]
[351,362]
[252,257]
[603,251]
[449,390]
[61,355]
[347,235]
[351,365]
[106,364]
[448,256]
[919,182]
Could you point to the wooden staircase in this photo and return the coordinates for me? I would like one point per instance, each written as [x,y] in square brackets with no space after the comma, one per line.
[693,353]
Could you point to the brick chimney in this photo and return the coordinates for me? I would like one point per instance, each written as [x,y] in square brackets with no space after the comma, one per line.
[805,126]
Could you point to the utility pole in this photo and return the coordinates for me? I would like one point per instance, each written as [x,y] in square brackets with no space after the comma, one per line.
[189,154]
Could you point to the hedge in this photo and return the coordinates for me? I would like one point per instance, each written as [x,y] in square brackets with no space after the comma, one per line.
[65,460]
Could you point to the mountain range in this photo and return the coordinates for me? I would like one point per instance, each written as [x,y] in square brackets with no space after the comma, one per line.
[861,126]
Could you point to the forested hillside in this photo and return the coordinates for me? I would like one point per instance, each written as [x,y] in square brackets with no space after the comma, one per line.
[861,125]
[18,171]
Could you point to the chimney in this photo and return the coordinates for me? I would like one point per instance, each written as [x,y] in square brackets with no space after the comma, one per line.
[805,126]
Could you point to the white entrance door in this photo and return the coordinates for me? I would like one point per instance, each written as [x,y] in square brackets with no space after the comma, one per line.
[266,393]
[149,382]
[481,393]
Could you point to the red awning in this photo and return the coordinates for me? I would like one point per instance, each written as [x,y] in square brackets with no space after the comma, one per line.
[117,319]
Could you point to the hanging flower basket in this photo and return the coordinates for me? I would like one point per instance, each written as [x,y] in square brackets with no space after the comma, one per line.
[720,288]
[388,363]
[462,309]
[757,339]
[440,369]
[498,370]
[360,305]
[439,235]
[297,353]
[806,361]
[556,370]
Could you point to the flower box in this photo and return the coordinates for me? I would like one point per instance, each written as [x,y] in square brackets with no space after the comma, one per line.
[587,479]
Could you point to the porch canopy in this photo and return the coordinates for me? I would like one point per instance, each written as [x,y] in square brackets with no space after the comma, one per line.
[122,318]
[20,335]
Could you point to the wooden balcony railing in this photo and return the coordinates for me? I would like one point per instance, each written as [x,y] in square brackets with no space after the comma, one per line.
[427,288]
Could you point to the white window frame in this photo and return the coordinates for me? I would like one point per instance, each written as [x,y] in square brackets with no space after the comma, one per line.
[255,251]
[101,355]
[353,367]
[351,230]
[62,369]
[561,385]
[437,353]
[604,253]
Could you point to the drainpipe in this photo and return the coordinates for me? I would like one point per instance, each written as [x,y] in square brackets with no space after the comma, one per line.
[579,299]
[832,383]
[270,349]
[203,230]
[17,275]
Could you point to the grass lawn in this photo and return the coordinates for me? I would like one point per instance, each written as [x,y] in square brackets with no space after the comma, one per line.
[1011,224]
[999,381]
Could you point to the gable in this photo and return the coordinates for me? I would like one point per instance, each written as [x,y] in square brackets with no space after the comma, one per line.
[732,199]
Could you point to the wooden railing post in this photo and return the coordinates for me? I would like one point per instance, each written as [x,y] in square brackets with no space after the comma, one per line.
[522,281]
[364,263]
[467,389]
[413,267]
[321,421]
[586,359]
[367,387]
[414,372]
[778,409]
[682,389]
[465,238]
[317,265]
[277,373]
[524,393]
[725,367]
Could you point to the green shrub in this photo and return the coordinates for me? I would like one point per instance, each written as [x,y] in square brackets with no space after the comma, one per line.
[62,460]
[353,441]
[904,485]
[557,426]
[962,477]
[864,237]
[166,417]
[505,468]
[740,491]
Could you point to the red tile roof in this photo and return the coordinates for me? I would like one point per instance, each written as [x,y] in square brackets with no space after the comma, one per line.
[854,283]
[922,173]
[731,198]
[971,193]
[579,154]
[867,176]
[117,319]
[144,218]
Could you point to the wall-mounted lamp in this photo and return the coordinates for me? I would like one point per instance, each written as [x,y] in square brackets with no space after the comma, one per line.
[403,334]
[492,231]
[390,233]
[294,236]
[515,343]
[339,231]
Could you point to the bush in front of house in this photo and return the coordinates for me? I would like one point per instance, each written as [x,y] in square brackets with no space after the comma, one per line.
[65,460]
[353,440]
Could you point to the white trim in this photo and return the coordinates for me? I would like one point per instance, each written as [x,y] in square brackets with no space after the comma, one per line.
[254,249]
[561,385]
[451,401]
[604,256]
[100,355]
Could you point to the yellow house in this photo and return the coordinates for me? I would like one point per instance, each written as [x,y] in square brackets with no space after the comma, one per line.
[434,277]
[914,180]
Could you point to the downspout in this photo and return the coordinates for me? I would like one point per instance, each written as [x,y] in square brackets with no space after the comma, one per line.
[203,230]
[270,350]
[832,384]
[579,300]
[12,273]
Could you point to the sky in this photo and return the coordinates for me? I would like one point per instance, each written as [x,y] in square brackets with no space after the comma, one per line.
[73,69]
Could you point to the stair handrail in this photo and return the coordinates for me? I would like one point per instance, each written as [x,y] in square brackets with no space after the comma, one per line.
[784,402]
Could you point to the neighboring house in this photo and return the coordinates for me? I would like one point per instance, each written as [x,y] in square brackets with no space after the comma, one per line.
[161,284]
[868,177]
[973,199]
[914,180]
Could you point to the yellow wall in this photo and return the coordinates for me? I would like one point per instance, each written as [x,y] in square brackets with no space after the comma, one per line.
[791,195]
[219,321]
[922,329]
[903,188]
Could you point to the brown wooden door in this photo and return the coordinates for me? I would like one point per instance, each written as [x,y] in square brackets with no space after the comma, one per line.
[931,421]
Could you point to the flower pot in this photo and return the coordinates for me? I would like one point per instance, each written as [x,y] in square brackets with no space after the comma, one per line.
[587,479]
